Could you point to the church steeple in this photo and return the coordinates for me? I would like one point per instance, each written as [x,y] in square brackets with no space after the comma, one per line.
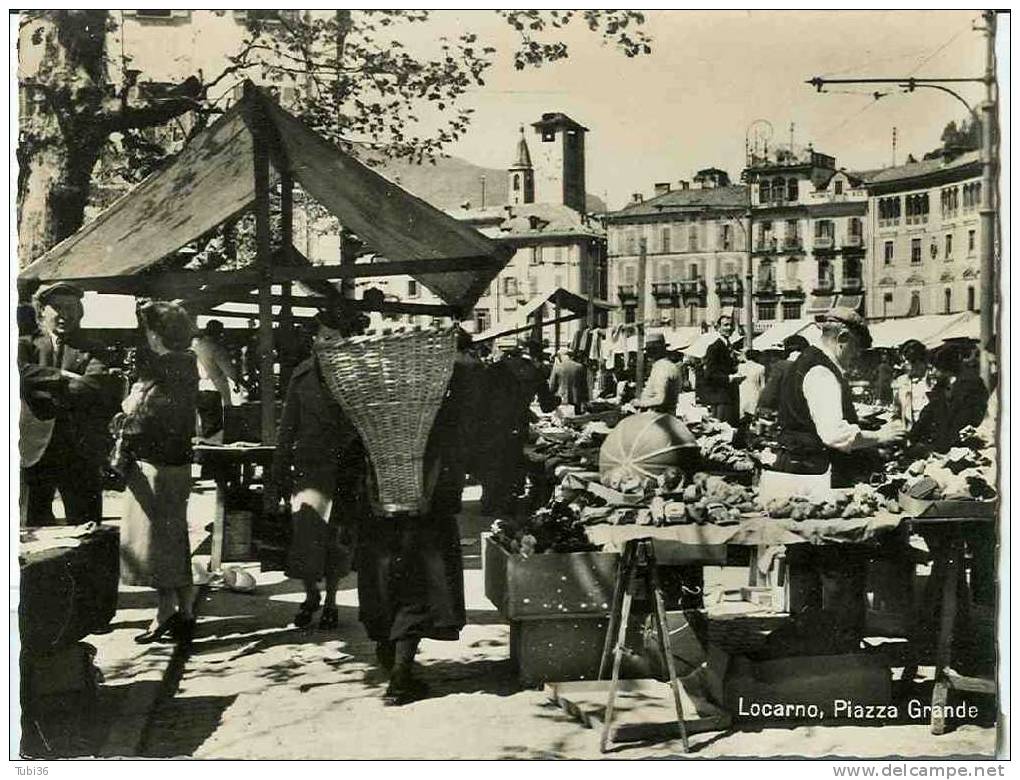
[521,174]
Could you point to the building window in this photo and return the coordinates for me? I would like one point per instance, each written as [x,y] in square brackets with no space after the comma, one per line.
[888,211]
[887,300]
[971,242]
[725,237]
[915,304]
[510,286]
[853,228]
[665,238]
[791,310]
[791,190]
[558,254]
[971,196]
[825,228]
[764,191]
[915,251]
[483,320]
[949,301]
[631,243]
[826,276]
[792,274]
[951,201]
[517,182]
[548,135]
[692,238]
[971,299]
[536,255]
[917,208]
[949,246]
[412,288]
[692,272]
[766,311]
[837,187]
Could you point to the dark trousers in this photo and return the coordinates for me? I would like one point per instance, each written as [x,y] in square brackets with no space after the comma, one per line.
[411,578]
[210,413]
[78,480]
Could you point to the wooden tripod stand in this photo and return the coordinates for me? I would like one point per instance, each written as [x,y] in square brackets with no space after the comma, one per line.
[637,567]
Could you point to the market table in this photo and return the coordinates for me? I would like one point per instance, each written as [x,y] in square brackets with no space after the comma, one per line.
[232,466]
[945,519]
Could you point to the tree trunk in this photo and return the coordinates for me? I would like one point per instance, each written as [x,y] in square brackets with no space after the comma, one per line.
[62,68]
[53,193]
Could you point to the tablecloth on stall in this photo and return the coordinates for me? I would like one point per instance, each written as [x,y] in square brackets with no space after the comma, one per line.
[751,531]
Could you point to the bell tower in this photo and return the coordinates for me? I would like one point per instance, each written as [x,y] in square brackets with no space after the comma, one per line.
[560,171]
[521,175]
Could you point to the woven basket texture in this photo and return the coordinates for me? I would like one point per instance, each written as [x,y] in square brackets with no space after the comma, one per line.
[391,387]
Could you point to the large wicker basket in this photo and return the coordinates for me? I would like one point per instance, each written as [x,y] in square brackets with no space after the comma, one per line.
[391,387]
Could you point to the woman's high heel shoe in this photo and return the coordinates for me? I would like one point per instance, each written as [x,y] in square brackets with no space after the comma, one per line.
[168,626]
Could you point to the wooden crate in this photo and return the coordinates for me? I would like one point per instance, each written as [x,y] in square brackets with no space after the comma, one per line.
[549,584]
[552,649]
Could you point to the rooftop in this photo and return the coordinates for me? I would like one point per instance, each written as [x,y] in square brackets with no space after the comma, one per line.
[556,119]
[914,169]
[731,197]
[527,220]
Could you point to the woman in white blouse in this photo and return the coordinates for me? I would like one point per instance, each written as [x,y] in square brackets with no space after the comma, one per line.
[910,390]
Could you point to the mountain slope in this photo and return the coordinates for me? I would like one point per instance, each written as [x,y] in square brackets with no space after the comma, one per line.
[451,182]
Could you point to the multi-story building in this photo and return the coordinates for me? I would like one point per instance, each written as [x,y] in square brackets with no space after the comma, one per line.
[809,248]
[923,224]
[695,250]
[556,244]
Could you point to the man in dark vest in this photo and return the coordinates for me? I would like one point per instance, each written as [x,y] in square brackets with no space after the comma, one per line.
[819,435]
[64,378]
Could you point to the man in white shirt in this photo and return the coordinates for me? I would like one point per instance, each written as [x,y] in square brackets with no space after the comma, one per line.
[817,420]
[216,374]
[662,390]
[819,435]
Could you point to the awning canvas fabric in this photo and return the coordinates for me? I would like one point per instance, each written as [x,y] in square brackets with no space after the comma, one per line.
[212,180]
[930,329]
[774,337]
[570,303]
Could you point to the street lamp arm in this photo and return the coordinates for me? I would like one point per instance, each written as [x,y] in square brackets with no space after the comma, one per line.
[911,85]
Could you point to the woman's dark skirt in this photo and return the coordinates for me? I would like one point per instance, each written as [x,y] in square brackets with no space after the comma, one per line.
[411,578]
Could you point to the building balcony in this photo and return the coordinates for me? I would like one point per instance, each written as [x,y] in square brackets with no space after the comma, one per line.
[852,284]
[663,291]
[852,241]
[627,293]
[729,287]
[692,290]
[766,244]
[824,242]
[792,242]
[824,287]
[765,287]
[793,288]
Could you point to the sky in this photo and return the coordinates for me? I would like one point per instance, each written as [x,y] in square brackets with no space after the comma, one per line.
[687,106]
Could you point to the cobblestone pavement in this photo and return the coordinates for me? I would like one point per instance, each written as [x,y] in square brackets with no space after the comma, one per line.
[255,687]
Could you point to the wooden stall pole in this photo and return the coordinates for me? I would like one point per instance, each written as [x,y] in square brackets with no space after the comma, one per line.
[556,326]
[642,271]
[267,396]
[287,338]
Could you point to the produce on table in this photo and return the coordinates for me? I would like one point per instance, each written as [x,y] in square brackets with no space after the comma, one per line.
[962,473]
[862,501]
[645,445]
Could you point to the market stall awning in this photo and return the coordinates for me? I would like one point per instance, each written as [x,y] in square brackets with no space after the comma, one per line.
[930,329]
[774,337]
[212,180]
[570,303]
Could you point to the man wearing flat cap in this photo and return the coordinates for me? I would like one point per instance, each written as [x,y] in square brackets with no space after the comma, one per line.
[819,431]
[64,378]
[819,435]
